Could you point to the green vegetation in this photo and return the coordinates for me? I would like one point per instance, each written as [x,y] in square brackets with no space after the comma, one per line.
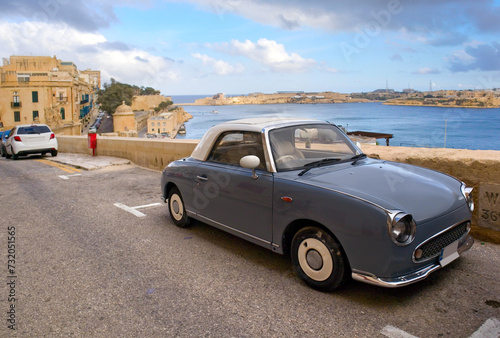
[163,105]
[115,93]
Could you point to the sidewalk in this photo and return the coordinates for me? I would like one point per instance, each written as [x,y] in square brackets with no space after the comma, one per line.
[87,162]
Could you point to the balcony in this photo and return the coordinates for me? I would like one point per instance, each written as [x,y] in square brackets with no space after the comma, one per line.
[15,104]
[62,99]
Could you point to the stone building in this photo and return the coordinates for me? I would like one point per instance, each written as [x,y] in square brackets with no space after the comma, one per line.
[124,122]
[168,122]
[43,89]
[163,123]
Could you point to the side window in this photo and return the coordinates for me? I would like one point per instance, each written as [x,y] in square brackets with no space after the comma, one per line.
[11,132]
[231,146]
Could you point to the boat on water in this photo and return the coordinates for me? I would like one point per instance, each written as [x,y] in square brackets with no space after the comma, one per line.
[215,111]
[182,129]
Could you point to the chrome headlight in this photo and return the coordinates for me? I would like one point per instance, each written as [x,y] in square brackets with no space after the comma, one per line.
[467,192]
[401,228]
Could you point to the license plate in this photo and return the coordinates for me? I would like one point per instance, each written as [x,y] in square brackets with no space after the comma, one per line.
[449,254]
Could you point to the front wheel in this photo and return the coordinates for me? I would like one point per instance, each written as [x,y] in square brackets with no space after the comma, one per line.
[177,209]
[318,259]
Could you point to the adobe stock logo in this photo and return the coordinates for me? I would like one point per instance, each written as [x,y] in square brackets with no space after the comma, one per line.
[365,33]
[205,191]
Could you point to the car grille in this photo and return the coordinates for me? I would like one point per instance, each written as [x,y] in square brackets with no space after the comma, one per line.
[434,246]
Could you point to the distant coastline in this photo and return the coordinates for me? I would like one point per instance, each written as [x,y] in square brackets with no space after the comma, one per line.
[449,99]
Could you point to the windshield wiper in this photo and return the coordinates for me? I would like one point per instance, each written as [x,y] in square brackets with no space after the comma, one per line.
[319,163]
[357,158]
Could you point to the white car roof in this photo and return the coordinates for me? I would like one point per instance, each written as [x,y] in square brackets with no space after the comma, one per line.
[253,125]
[32,124]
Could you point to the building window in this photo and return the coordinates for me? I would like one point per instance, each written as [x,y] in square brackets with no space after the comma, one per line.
[23,77]
[15,100]
[17,116]
[34,96]
[63,114]
[152,124]
[35,114]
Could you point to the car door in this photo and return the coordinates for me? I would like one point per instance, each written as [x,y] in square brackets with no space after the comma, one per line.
[226,195]
[8,142]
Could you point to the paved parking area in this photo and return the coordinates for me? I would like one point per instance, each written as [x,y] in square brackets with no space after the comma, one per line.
[85,265]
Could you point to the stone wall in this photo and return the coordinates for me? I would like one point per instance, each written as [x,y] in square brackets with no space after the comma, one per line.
[479,169]
[148,153]
[148,102]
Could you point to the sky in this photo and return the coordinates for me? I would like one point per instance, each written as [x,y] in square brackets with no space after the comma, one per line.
[198,47]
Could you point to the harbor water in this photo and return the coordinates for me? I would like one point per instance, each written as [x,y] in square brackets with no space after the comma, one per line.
[412,126]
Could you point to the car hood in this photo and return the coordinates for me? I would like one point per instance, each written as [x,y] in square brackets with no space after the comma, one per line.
[421,192]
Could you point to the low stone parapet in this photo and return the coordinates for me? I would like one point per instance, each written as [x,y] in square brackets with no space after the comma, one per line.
[148,153]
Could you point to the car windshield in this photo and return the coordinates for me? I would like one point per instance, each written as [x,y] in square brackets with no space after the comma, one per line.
[33,130]
[306,146]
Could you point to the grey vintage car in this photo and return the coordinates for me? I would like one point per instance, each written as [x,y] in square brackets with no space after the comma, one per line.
[302,187]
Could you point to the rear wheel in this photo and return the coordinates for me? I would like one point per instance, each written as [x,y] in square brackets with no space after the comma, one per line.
[177,209]
[319,259]
[53,153]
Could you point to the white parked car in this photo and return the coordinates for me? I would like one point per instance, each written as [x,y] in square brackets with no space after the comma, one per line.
[30,139]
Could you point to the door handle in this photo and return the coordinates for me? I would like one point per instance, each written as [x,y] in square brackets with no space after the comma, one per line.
[202,178]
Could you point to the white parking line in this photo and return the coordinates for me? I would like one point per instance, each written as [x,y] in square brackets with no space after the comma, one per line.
[133,210]
[394,332]
[66,177]
[490,328]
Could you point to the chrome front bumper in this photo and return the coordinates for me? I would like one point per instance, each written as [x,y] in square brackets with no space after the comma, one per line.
[395,282]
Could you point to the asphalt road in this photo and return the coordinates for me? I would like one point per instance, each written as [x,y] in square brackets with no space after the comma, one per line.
[85,267]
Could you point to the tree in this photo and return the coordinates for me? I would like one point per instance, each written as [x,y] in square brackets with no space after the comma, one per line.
[163,105]
[113,95]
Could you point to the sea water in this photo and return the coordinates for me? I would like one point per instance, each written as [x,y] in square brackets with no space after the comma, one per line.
[413,126]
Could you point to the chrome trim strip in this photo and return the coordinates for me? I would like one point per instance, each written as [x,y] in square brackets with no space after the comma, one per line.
[395,282]
[431,238]
[227,227]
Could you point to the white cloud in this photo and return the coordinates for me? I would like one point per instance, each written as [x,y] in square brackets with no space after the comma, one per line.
[86,50]
[271,54]
[426,70]
[135,67]
[219,67]
[40,38]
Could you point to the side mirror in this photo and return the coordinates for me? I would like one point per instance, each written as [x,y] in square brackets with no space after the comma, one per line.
[250,162]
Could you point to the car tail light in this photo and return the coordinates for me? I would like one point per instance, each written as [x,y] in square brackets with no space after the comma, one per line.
[17,138]
[52,136]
